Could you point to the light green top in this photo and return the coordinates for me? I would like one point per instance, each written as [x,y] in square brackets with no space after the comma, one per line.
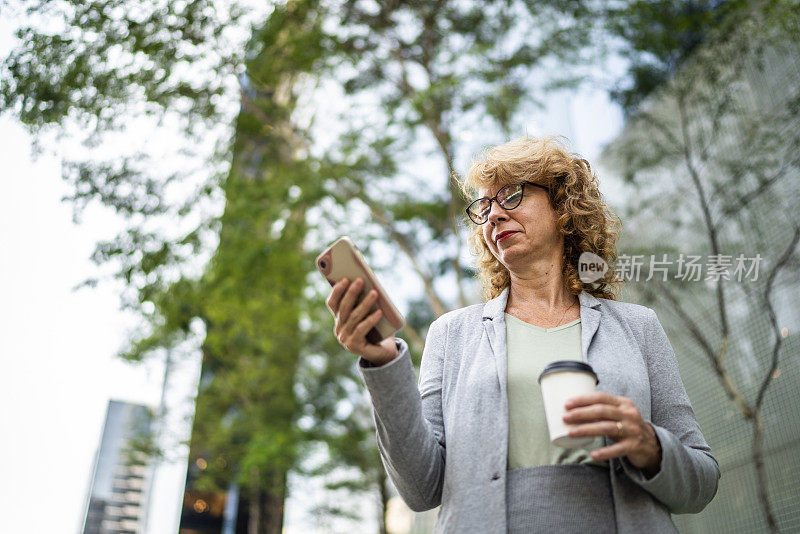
[530,349]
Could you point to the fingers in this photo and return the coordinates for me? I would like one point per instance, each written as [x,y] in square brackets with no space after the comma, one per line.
[364,307]
[602,415]
[353,322]
[336,295]
[344,296]
[356,341]
[601,428]
[366,325]
[623,411]
[595,412]
[621,448]
[593,398]
[350,299]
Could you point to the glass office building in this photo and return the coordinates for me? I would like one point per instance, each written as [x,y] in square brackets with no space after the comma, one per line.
[122,472]
[712,176]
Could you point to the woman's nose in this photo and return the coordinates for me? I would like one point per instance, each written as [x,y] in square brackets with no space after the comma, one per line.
[497,213]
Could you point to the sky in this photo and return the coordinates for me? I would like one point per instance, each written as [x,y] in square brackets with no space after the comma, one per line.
[58,346]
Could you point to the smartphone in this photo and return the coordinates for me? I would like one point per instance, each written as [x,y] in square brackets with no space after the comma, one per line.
[343,260]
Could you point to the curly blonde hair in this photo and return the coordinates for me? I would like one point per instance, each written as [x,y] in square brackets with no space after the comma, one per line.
[585,221]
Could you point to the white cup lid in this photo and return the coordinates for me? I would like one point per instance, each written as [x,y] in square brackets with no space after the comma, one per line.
[568,365]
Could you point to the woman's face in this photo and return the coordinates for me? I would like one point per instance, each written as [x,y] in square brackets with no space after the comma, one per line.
[517,237]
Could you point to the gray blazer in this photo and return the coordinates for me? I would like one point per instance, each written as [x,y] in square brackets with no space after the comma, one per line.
[446,442]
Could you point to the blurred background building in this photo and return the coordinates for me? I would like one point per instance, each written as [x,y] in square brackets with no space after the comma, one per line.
[711,167]
[117,498]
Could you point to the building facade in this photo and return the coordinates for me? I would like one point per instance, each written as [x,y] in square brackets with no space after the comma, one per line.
[122,472]
[712,169]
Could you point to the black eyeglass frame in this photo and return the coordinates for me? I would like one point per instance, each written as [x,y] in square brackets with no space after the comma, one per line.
[494,198]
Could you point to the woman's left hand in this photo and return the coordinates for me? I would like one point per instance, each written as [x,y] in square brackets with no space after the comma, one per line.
[602,414]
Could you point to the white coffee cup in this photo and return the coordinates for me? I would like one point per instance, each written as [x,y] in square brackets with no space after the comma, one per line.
[561,380]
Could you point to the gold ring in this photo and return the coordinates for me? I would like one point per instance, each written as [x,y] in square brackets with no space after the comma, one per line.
[619,429]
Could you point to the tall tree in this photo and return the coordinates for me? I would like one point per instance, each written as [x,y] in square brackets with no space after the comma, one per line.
[107,58]
[252,293]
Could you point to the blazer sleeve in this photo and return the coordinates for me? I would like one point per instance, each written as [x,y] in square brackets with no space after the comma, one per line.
[409,420]
[688,476]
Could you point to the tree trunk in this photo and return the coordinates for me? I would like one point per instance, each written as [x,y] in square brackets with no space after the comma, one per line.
[384,501]
[761,474]
[267,498]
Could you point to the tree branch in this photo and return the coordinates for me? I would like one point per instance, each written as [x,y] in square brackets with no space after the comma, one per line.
[706,209]
[405,245]
[773,319]
[690,324]
[432,119]
[714,356]
[762,187]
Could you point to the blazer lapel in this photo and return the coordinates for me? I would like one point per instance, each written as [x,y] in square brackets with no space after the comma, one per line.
[495,325]
[590,320]
[494,322]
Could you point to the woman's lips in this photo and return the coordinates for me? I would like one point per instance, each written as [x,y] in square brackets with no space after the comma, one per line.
[506,236]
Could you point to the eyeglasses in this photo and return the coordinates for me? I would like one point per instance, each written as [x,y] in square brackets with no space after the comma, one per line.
[509,197]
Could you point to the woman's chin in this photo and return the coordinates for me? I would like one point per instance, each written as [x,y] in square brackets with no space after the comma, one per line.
[513,256]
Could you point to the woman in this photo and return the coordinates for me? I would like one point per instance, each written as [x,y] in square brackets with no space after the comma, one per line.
[473,437]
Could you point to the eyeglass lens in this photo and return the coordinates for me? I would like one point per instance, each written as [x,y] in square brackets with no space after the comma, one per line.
[508,197]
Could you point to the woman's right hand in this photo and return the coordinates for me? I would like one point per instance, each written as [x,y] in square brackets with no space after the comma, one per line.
[352,323]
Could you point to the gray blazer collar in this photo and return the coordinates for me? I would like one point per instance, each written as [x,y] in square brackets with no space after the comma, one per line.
[590,320]
[496,306]
[494,309]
